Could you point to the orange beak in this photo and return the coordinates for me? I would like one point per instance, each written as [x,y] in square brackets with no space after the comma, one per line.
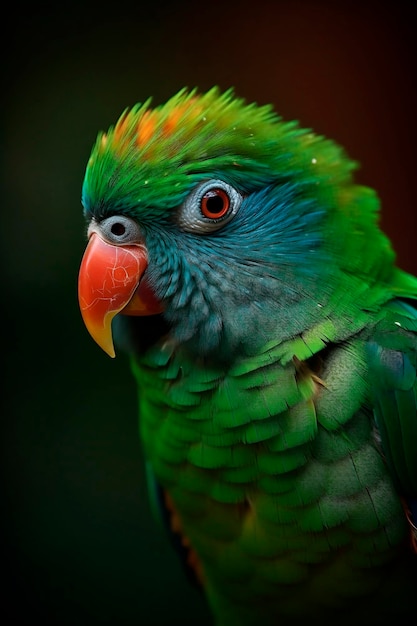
[111,281]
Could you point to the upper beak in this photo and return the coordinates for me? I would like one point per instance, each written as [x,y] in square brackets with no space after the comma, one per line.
[110,282]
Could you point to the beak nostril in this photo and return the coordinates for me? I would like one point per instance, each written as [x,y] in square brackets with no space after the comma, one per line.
[118,229]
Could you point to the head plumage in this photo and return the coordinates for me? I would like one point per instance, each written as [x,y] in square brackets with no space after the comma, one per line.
[184,122]
[192,134]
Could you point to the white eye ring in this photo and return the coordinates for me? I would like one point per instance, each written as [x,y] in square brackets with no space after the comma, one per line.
[117,229]
[209,207]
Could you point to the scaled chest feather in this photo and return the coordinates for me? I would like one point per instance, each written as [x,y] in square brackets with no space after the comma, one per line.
[268,470]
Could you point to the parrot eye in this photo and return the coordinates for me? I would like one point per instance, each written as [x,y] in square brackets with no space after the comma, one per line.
[210,206]
[215,203]
[119,229]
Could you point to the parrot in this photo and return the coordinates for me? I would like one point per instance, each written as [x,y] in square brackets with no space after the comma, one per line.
[237,262]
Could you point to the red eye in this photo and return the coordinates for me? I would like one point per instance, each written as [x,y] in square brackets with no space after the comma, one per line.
[215,204]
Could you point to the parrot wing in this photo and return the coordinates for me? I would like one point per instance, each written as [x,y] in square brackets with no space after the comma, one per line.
[393,363]
[164,511]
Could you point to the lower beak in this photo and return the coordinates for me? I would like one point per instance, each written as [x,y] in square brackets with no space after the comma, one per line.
[111,281]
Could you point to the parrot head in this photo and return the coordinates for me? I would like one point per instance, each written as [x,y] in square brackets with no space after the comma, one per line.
[214,215]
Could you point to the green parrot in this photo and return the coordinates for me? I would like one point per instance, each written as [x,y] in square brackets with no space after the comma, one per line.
[274,344]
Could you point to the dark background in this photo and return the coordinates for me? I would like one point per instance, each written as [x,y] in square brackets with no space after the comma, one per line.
[80,542]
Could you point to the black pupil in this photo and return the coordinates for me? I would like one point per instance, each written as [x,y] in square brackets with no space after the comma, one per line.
[118,229]
[214,202]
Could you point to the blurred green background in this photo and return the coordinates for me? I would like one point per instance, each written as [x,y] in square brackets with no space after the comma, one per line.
[81,545]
